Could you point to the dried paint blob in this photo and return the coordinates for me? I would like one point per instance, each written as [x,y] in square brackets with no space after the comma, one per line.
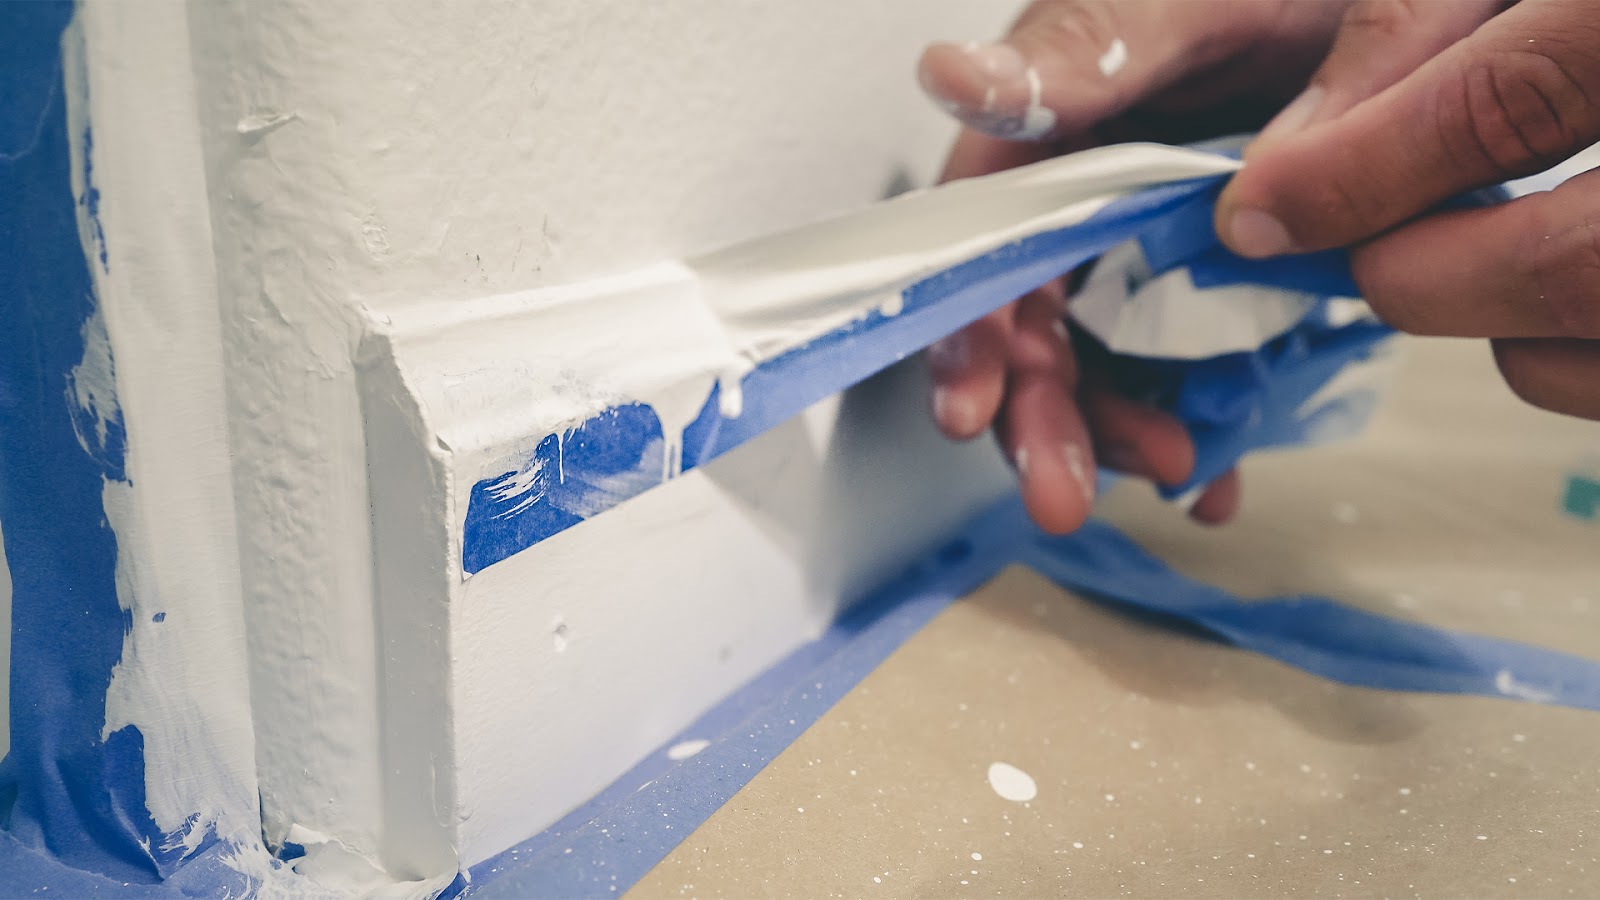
[1115,57]
[1012,783]
[686,749]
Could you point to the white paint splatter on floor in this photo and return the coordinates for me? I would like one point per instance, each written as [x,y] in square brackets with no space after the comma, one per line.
[1012,783]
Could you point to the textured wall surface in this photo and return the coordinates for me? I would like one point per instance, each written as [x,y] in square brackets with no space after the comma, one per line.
[376,154]
[360,157]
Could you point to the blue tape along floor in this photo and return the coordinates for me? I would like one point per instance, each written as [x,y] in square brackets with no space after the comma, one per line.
[611,843]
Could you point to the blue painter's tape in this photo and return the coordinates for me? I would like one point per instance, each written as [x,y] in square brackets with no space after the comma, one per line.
[27,872]
[1321,636]
[1232,405]
[1243,402]
[604,461]
[933,308]
[607,845]
[1187,238]
[68,798]
[501,521]
[1240,403]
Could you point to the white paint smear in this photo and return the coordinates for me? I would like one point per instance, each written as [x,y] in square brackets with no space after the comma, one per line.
[1039,120]
[182,684]
[1077,465]
[686,749]
[1507,684]
[1115,57]
[1012,783]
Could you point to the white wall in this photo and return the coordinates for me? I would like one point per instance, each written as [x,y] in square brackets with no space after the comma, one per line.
[364,156]
[361,157]
[470,148]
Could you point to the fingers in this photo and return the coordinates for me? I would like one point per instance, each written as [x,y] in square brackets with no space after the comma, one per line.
[1069,64]
[1064,67]
[1558,375]
[1525,269]
[1219,502]
[1047,442]
[1053,435]
[969,375]
[1141,440]
[969,367]
[1511,99]
[1041,429]
[1136,439]
[1379,43]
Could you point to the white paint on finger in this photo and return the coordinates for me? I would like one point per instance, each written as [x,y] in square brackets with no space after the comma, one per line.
[1077,464]
[1115,57]
[1038,120]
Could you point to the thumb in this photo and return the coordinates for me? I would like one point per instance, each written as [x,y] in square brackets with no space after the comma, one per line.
[1510,100]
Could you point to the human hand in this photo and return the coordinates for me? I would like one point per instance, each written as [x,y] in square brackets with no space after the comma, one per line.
[1417,103]
[1073,74]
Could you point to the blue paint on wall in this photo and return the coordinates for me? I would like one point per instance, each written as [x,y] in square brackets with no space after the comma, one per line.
[66,795]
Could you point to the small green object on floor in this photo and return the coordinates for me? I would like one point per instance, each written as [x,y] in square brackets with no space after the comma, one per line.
[1582,498]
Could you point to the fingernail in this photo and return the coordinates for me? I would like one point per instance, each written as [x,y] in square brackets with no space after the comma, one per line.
[997,60]
[951,355]
[953,411]
[1256,234]
[1005,99]
[1293,117]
